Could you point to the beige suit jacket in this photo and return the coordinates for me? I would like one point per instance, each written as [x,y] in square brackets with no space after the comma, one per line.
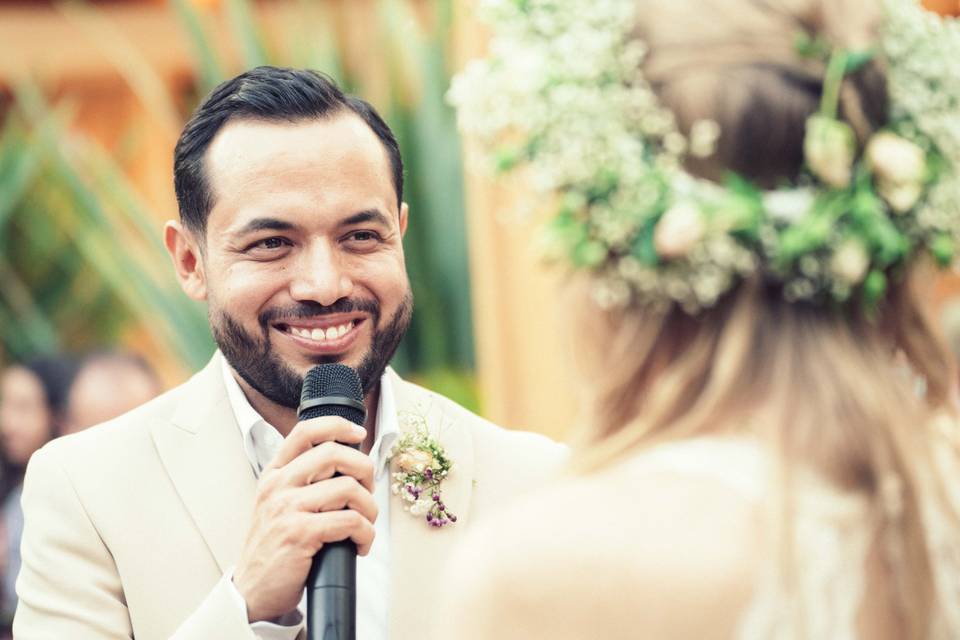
[129,526]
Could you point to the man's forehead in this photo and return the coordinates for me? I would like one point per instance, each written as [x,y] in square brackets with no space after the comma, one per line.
[307,160]
[249,144]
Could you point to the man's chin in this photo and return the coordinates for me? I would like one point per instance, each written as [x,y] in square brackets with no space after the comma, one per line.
[302,365]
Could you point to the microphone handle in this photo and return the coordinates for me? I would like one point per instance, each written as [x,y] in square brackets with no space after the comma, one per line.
[331,593]
[331,586]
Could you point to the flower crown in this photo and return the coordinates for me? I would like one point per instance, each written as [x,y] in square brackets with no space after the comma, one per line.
[559,94]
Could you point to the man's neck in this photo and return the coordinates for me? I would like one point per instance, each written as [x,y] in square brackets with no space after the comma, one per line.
[283,419]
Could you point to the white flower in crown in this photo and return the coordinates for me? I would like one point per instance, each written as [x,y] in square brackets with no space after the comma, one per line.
[678,231]
[420,465]
[850,262]
[900,167]
[829,147]
[900,197]
[789,205]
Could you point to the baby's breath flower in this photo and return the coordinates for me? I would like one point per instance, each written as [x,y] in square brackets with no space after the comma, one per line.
[703,138]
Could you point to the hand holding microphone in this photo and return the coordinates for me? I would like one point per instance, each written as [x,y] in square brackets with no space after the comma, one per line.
[303,505]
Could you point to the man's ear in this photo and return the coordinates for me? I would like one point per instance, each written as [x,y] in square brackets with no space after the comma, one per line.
[184,249]
[404,216]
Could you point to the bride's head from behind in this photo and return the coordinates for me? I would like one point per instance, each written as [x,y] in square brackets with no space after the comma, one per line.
[657,369]
[750,190]
[834,387]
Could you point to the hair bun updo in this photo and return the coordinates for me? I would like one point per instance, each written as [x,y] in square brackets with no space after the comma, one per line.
[738,63]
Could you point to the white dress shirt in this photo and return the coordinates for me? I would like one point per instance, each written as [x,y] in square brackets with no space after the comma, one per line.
[261,441]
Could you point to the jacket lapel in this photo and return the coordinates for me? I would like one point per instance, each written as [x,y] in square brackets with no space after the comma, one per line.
[418,552]
[202,451]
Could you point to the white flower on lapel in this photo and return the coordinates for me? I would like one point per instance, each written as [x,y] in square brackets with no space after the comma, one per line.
[417,460]
[420,466]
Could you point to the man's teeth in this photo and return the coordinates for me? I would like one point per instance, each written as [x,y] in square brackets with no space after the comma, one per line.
[319,334]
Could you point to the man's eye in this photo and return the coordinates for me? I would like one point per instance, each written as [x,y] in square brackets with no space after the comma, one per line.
[269,243]
[364,236]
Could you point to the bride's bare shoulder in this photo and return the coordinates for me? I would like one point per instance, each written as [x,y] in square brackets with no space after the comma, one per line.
[672,554]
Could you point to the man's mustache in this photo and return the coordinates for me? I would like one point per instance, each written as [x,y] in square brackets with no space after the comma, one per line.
[314,309]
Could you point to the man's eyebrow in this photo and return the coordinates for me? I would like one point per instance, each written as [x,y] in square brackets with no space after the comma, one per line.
[262,224]
[370,215]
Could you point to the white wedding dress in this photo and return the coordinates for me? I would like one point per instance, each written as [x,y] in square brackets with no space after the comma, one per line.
[833,534]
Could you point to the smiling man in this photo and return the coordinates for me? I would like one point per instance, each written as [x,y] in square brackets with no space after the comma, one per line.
[197,514]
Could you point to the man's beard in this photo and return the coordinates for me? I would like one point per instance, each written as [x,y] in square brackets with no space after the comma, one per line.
[257,363]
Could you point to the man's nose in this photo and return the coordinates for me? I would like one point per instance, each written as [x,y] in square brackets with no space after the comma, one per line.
[320,275]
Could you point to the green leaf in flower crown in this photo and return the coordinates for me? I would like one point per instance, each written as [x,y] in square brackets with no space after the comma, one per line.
[813,48]
[865,205]
[589,253]
[889,244]
[643,247]
[936,166]
[506,158]
[856,60]
[805,237]
[572,204]
[605,183]
[943,248]
[868,217]
[874,287]
[741,211]
[562,234]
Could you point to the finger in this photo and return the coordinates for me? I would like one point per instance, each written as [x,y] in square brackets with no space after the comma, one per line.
[309,433]
[334,526]
[326,459]
[338,493]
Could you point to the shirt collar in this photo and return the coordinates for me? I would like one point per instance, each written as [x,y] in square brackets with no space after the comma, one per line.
[387,427]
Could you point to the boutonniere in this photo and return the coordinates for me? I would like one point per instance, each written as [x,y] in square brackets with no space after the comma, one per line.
[420,466]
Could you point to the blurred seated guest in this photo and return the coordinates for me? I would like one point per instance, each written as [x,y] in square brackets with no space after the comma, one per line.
[109,384]
[751,194]
[32,399]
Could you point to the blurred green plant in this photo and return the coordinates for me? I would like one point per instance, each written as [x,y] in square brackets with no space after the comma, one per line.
[82,255]
[82,258]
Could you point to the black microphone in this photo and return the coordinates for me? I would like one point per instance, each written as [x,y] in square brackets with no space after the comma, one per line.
[332,390]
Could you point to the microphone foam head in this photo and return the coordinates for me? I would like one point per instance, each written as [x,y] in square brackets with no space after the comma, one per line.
[332,380]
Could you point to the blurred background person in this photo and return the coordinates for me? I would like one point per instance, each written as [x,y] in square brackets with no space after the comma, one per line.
[108,384]
[757,465]
[32,401]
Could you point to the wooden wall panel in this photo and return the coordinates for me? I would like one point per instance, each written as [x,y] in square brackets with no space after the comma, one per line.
[522,347]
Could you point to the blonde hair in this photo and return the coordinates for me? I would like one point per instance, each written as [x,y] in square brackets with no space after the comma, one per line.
[820,384]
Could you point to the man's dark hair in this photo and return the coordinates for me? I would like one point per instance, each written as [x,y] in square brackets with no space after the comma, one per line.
[270,94]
